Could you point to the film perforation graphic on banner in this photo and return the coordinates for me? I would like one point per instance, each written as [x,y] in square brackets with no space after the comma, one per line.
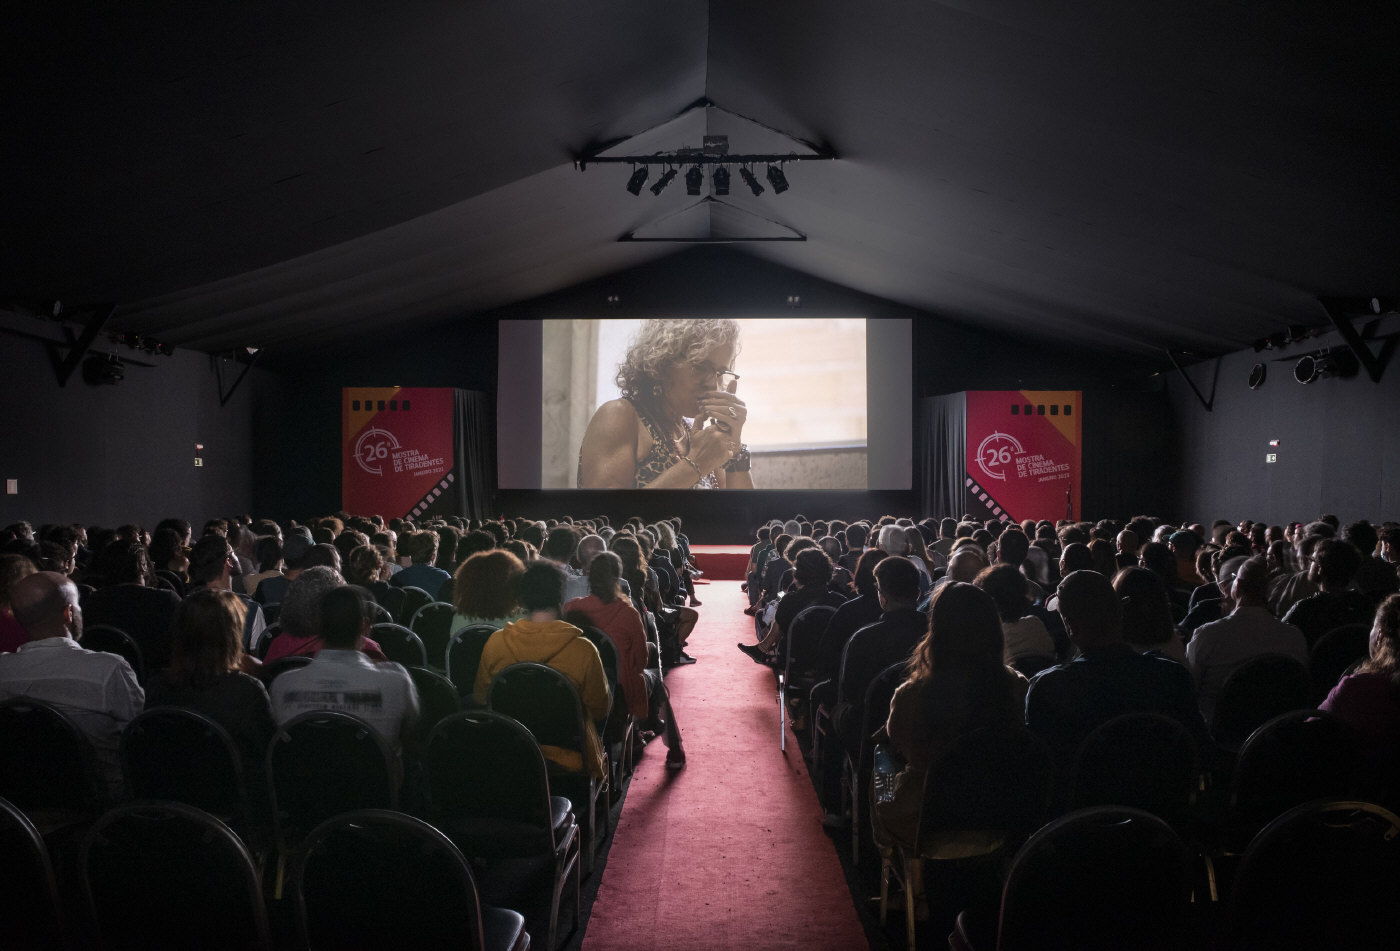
[1023,454]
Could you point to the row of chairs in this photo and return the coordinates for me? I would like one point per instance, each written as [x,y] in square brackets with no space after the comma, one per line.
[166,875]
[1000,785]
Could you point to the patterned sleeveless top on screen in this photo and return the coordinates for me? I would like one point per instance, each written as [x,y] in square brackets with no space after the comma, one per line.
[658,459]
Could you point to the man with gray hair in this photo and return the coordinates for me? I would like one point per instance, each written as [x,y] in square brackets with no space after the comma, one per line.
[97,691]
[301,616]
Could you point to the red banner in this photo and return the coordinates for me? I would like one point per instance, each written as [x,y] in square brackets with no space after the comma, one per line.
[396,457]
[1023,454]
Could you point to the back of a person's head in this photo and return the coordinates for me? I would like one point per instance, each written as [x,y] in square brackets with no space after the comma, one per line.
[856,536]
[1157,557]
[540,587]
[13,567]
[38,601]
[1103,558]
[893,539]
[532,532]
[124,562]
[1076,557]
[604,570]
[1184,544]
[1090,609]
[1252,579]
[344,616]
[812,567]
[964,629]
[898,579]
[473,542]
[1337,562]
[792,527]
[966,563]
[268,552]
[831,545]
[798,545]
[947,527]
[363,565]
[560,544]
[1385,641]
[300,614]
[206,637]
[1007,588]
[208,559]
[1362,536]
[864,578]
[420,547]
[1145,607]
[1012,546]
[485,584]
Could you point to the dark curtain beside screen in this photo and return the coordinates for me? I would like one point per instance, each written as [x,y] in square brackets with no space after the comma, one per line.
[942,454]
[475,451]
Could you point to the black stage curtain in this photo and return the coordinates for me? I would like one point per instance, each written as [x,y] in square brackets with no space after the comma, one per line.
[475,452]
[942,454]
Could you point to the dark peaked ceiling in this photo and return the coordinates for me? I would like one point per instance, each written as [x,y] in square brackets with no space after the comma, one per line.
[1126,176]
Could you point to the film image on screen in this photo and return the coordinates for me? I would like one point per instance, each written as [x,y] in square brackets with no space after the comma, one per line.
[802,382]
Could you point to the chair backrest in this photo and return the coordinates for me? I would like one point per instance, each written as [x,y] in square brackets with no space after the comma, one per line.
[1298,757]
[437,698]
[878,696]
[431,623]
[1032,664]
[1144,760]
[390,598]
[1100,879]
[400,644]
[464,656]
[182,755]
[281,665]
[31,915]
[380,613]
[113,640]
[321,764]
[413,601]
[607,651]
[423,894]
[168,875]
[264,643]
[1256,692]
[990,780]
[1335,654]
[1322,875]
[486,765]
[544,700]
[804,634]
[45,760]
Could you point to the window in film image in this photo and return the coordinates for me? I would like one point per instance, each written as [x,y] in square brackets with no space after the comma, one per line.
[761,403]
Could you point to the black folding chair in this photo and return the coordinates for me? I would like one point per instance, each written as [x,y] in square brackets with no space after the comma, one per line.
[321,764]
[424,894]
[1336,654]
[177,754]
[437,699]
[795,679]
[547,703]
[431,623]
[113,640]
[488,789]
[400,644]
[1144,760]
[31,915]
[47,766]
[413,600]
[464,658]
[1256,692]
[165,875]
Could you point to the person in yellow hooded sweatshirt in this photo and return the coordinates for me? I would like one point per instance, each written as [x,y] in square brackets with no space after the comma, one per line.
[542,638]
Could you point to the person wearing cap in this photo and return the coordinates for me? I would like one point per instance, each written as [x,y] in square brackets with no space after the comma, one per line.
[294,551]
[1247,631]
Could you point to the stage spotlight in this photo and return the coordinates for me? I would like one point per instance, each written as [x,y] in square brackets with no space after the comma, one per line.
[777,179]
[99,370]
[1257,375]
[750,181]
[720,179]
[638,179]
[1329,362]
[693,180]
[663,181]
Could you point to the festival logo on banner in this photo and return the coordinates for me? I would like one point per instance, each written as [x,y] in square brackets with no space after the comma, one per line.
[1023,454]
[397,449]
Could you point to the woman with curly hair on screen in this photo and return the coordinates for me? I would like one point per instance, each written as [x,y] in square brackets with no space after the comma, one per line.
[677,424]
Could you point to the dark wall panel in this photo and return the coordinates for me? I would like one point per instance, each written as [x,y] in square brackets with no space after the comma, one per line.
[124,453]
[1339,439]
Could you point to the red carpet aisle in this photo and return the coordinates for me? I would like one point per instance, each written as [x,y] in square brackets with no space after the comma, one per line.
[729,852]
[721,562]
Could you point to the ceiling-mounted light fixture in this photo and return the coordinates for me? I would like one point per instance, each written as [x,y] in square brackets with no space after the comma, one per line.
[720,179]
[638,179]
[1257,375]
[1327,362]
[777,179]
[663,181]
[693,180]
[99,370]
[750,181]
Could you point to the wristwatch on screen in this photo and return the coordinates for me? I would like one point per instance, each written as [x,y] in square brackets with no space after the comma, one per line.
[741,460]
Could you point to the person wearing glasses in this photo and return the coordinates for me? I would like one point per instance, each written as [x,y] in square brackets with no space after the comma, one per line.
[678,423]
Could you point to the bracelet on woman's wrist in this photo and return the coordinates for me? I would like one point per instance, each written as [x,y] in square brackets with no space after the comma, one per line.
[698,474]
[741,462]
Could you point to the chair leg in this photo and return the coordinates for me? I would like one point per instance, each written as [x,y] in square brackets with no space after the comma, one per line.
[885,871]
[853,790]
[782,717]
[912,880]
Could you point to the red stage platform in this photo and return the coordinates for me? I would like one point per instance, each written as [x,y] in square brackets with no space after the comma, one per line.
[721,562]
